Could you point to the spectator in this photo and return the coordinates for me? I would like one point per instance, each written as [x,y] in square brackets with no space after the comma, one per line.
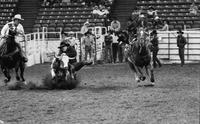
[63,36]
[122,39]
[114,47]
[155,49]
[88,42]
[193,9]
[166,26]
[151,13]
[72,40]
[96,11]
[104,11]
[157,22]
[84,28]
[108,47]
[181,42]
[107,22]
[115,26]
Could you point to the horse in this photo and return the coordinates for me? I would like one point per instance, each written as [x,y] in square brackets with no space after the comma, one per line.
[139,56]
[10,57]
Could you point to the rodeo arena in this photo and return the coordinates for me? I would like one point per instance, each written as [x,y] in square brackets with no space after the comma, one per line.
[100,62]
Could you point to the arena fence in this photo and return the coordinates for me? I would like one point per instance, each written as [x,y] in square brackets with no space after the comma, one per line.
[40,47]
[169,50]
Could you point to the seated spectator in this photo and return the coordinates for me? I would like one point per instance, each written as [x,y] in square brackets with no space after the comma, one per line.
[103,11]
[166,26]
[193,9]
[151,13]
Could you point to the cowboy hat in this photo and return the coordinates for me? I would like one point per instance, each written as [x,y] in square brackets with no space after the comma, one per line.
[180,31]
[62,44]
[86,23]
[17,16]
[142,16]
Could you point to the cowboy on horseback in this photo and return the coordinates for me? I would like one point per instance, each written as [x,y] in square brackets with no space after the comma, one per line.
[13,28]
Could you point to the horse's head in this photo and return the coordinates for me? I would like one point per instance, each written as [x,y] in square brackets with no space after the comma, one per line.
[60,65]
[142,37]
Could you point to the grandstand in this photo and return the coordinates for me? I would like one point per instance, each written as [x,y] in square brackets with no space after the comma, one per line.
[7,10]
[176,11]
[71,16]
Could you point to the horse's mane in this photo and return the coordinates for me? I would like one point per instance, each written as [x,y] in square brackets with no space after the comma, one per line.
[9,45]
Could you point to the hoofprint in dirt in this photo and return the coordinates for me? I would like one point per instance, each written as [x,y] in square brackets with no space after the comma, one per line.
[107,94]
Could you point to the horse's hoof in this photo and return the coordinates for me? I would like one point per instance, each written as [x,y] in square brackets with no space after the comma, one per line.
[152,80]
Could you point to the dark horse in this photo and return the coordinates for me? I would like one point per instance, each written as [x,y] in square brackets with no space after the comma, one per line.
[10,57]
[139,56]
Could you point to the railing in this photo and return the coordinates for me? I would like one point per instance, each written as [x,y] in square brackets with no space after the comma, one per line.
[41,46]
[169,50]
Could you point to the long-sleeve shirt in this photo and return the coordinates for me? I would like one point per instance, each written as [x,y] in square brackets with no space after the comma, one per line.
[88,40]
[84,29]
[10,25]
[181,41]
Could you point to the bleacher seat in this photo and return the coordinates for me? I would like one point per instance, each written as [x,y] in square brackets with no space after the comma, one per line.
[176,11]
[7,8]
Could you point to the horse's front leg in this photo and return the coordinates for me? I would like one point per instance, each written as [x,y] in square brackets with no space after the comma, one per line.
[135,71]
[150,72]
[22,68]
[142,77]
[6,74]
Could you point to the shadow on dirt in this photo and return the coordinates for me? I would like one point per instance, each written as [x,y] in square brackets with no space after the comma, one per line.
[104,88]
[47,84]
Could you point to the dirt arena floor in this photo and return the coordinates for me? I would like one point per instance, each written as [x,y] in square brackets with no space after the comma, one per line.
[107,94]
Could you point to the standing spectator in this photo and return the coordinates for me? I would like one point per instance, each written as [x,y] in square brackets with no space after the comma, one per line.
[115,26]
[108,47]
[115,47]
[166,26]
[181,42]
[84,28]
[63,36]
[72,40]
[88,42]
[155,49]
[107,22]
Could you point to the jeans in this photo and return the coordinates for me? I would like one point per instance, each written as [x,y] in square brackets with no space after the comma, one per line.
[181,55]
[88,50]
